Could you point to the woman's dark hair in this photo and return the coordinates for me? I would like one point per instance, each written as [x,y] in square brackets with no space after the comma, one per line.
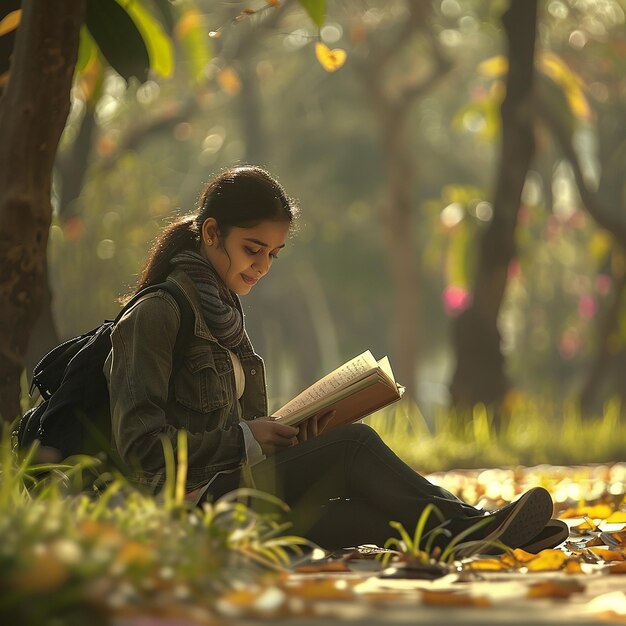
[241,196]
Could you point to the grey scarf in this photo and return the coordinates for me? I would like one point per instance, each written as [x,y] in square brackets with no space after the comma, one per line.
[221,307]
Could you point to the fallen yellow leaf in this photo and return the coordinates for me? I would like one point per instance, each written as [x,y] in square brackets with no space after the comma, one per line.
[607,555]
[617,517]
[450,598]
[522,556]
[488,565]
[587,525]
[330,60]
[572,566]
[554,589]
[599,511]
[547,560]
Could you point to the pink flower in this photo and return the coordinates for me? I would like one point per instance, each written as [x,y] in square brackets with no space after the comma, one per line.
[455,299]
[587,307]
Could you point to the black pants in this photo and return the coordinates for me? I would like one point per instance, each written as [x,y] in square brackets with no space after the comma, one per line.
[345,486]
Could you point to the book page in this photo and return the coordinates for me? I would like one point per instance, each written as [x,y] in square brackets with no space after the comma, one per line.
[343,376]
[297,415]
[385,366]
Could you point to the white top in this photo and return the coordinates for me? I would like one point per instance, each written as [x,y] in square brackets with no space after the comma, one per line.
[254,453]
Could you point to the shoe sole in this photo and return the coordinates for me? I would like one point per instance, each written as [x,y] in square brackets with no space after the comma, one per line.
[527,518]
[554,534]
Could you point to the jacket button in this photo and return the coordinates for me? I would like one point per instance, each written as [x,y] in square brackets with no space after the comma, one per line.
[253,371]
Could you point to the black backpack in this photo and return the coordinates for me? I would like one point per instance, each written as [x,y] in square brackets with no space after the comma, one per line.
[74,416]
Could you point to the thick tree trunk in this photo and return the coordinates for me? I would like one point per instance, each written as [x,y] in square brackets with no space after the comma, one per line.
[33,112]
[480,373]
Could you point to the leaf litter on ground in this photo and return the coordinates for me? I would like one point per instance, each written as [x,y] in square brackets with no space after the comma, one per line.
[590,500]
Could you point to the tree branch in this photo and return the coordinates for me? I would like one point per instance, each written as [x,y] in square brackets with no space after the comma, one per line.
[611,221]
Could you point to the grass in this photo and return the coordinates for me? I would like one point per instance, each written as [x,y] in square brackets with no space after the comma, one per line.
[67,556]
[535,432]
[422,547]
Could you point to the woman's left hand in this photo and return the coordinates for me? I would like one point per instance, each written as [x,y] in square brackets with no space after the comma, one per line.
[314,426]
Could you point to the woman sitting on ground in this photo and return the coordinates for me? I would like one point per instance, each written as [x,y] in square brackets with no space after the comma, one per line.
[343,486]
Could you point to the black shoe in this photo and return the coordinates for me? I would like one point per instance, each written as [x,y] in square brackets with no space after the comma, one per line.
[513,525]
[554,533]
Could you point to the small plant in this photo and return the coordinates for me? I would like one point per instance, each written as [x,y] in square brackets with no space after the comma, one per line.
[74,555]
[426,549]
[412,546]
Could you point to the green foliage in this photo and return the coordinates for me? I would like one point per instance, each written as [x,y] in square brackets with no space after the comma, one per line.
[191,32]
[413,545]
[72,554]
[158,43]
[319,134]
[316,10]
[118,38]
[536,431]
[422,548]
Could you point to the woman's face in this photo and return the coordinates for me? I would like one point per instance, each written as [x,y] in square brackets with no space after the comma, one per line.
[245,255]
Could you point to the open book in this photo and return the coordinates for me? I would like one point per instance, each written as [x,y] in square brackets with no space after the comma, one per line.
[356,389]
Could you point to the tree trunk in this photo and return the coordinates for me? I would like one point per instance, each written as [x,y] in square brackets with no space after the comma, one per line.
[33,112]
[391,108]
[480,373]
[44,334]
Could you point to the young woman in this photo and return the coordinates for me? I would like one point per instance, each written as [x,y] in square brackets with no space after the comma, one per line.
[343,486]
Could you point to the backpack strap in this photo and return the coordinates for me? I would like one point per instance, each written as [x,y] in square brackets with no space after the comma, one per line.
[187,322]
[187,317]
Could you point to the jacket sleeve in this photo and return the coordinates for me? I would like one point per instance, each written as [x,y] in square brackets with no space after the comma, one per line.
[141,364]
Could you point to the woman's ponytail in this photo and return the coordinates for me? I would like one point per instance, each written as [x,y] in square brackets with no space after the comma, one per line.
[182,234]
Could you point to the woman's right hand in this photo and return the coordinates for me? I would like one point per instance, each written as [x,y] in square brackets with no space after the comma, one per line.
[271,435]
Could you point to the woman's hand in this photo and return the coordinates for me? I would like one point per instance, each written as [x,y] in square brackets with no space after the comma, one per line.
[271,435]
[314,426]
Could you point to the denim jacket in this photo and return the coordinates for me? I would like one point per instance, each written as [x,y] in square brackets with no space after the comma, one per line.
[200,398]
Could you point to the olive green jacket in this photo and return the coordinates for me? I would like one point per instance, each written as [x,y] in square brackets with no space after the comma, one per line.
[200,398]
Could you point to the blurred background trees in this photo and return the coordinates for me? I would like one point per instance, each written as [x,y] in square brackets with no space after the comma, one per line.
[394,158]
